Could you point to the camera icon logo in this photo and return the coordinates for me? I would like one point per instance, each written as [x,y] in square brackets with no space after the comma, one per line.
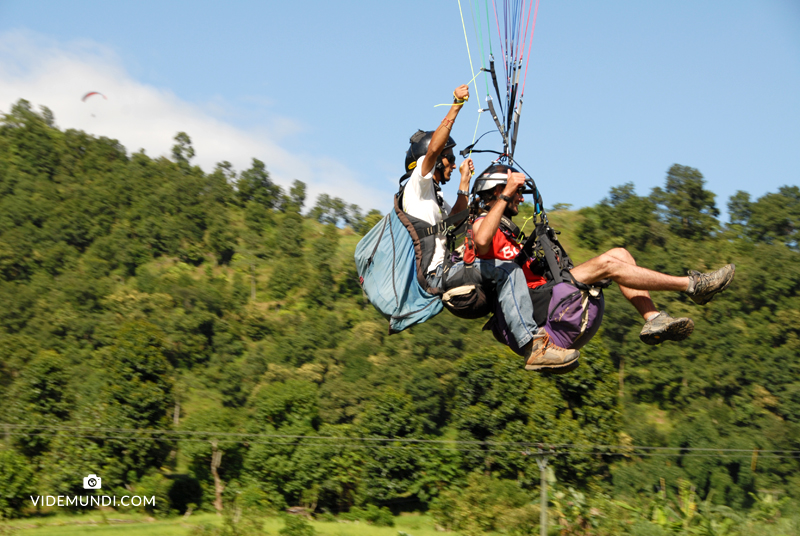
[92,482]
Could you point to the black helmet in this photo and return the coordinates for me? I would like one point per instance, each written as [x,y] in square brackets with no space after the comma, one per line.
[491,177]
[419,147]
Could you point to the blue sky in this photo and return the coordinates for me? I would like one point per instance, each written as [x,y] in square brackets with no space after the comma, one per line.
[329,92]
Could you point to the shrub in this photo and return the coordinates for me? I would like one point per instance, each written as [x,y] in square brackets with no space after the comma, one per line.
[296,526]
[16,483]
[486,504]
[380,517]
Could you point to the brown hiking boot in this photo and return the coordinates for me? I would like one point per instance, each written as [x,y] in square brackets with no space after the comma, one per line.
[663,327]
[544,356]
[703,287]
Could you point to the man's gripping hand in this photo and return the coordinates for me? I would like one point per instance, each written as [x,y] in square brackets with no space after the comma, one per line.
[514,183]
[467,168]
[461,93]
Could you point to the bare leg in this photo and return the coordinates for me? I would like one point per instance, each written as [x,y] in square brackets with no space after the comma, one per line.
[634,281]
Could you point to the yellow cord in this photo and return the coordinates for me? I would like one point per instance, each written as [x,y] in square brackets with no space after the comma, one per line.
[525,223]
[469,54]
[454,96]
[472,70]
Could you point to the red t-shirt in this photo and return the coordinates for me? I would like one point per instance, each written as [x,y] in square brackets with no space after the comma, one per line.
[506,249]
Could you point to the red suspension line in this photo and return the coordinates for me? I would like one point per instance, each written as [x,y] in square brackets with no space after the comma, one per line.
[533,29]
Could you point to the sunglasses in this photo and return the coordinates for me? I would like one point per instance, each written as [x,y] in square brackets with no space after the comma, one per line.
[450,158]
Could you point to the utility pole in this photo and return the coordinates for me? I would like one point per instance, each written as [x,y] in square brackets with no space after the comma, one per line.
[219,487]
[542,461]
[252,281]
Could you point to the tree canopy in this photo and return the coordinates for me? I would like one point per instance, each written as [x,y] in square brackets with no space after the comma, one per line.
[146,295]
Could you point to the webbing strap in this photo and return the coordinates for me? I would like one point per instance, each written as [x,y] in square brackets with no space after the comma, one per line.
[444,224]
[515,83]
[516,126]
[497,121]
[550,257]
[494,79]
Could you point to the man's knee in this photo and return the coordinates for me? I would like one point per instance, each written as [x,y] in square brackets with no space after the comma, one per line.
[608,264]
[621,254]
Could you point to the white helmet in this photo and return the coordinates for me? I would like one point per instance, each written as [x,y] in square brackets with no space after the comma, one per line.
[491,177]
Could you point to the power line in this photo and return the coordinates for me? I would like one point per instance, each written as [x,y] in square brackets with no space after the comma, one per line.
[411,444]
[625,451]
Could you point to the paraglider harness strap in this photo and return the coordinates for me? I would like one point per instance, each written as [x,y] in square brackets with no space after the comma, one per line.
[445,224]
[508,228]
[559,269]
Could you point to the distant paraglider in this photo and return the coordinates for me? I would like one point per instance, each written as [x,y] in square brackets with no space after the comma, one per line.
[93,93]
[93,107]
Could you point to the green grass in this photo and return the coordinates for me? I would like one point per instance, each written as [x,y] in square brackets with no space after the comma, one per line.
[137,525]
[97,523]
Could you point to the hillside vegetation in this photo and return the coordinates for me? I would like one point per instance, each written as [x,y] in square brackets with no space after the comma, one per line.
[203,338]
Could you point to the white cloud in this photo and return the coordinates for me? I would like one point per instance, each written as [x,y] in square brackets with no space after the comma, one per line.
[57,75]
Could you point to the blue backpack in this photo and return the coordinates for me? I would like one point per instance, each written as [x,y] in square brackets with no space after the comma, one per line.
[391,261]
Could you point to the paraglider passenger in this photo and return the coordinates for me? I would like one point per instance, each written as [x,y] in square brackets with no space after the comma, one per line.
[499,189]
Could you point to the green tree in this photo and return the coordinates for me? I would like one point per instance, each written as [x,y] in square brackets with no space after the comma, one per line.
[17,483]
[370,220]
[182,151]
[289,270]
[201,454]
[623,219]
[496,400]
[40,397]
[775,217]
[331,210]
[126,387]
[255,185]
[323,257]
[740,208]
[485,504]
[685,205]
[296,199]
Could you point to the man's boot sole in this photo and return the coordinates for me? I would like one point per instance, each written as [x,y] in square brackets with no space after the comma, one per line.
[677,331]
[556,369]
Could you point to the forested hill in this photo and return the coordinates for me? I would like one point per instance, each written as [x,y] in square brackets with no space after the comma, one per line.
[141,294]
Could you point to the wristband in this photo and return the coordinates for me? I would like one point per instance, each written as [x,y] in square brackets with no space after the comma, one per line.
[462,192]
[505,198]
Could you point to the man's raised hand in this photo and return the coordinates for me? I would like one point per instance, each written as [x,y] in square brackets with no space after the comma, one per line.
[514,183]
[467,168]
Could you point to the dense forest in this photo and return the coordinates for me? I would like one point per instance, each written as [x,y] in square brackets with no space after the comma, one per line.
[201,336]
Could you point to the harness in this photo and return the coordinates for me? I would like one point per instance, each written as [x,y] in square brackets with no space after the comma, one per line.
[424,236]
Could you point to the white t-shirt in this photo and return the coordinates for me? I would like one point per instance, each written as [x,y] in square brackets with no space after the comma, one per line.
[419,200]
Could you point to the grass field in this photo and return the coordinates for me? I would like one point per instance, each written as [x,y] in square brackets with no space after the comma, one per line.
[130,525]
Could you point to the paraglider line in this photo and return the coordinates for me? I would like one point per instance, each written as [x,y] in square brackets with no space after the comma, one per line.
[498,29]
[479,36]
[530,42]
